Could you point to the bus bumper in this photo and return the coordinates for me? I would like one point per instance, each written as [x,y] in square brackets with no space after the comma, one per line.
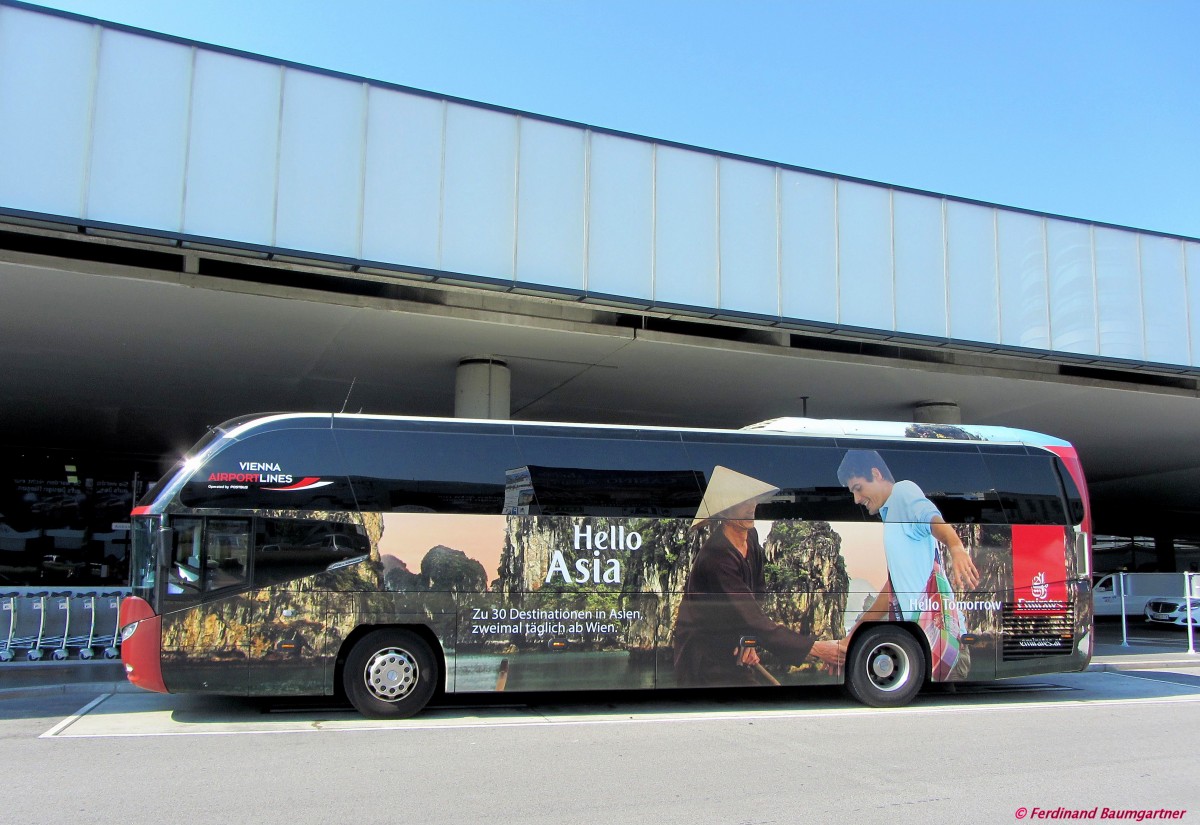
[141,644]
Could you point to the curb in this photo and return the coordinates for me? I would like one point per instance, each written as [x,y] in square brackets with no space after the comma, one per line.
[22,680]
[39,691]
[1145,664]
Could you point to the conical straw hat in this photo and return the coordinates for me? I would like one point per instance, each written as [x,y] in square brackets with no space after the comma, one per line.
[728,488]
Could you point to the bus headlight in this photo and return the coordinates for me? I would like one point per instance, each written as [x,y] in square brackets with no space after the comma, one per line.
[128,630]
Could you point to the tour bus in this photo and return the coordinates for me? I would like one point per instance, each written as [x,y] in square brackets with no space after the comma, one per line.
[386,559]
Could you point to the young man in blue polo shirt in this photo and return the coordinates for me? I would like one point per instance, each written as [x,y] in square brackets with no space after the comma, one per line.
[912,529]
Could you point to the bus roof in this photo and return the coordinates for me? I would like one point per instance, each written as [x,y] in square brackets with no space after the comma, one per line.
[828,427]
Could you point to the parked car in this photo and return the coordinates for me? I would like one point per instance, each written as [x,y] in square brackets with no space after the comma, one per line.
[1172,610]
[1139,589]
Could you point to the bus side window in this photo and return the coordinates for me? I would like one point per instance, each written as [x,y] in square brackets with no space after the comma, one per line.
[207,555]
[287,549]
[186,570]
[954,477]
[1029,488]
[227,554]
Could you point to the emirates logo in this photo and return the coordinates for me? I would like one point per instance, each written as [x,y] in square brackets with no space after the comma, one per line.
[1039,588]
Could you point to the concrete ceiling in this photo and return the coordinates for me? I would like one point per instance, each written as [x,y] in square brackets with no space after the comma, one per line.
[112,356]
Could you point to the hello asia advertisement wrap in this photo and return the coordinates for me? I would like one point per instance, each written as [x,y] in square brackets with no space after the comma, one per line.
[561,601]
[528,601]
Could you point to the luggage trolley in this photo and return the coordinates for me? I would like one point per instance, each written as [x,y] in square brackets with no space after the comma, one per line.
[42,641]
[27,614]
[63,603]
[113,651]
[83,606]
[9,606]
[33,642]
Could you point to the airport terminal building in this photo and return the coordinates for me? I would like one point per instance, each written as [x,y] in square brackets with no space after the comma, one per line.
[189,234]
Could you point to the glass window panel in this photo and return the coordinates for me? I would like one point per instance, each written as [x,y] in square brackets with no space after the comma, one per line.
[185,576]
[403,189]
[1192,259]
[620,216]
[609,473]
[444,469]
[865,296]
[1072,290]
[1029,488]
[1024,301]
[139,143]
[809,247]
[685,227]
[1165,295]
[749,238]
[954,478]
[479,208]
[320,164]
[1118,294]
[971,259]
[805,473]
[288,549]
[234,137]
[226,554]
[550,205]
[46,68]
[920,261]
[1075,506]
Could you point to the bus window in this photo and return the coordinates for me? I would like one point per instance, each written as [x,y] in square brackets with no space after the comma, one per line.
[609,473]
[955,479]
[428,471]
[806,474]
[226,554]
[1028,487]
[186,565]
[1074,497]
[206,558]
[288,549]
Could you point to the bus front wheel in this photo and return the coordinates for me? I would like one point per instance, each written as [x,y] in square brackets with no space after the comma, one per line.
[886,667]
[390,674]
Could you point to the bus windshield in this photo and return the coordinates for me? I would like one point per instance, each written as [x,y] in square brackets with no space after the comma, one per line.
[143,556]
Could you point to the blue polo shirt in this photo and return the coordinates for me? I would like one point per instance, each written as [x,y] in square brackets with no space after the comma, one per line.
[908,543]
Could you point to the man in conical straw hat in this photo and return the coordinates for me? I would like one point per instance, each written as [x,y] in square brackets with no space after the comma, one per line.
[729,490]
[720,603]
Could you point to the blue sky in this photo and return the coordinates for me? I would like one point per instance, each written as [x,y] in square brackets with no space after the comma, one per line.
[1084,108]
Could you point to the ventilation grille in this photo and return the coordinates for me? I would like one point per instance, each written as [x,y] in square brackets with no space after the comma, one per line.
[1034,635]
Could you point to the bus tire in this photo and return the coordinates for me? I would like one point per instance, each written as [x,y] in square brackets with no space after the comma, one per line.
[886,667]
[390,674]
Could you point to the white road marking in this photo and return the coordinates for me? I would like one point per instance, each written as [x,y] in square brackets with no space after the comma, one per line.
[76,716]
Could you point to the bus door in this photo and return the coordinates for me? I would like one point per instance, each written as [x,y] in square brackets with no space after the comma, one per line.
[206,606]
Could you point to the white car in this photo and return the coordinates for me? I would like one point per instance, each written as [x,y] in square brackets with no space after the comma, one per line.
[1172,610]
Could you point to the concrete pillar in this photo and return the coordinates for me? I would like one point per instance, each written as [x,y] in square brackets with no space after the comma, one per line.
[937,412]
[482,388]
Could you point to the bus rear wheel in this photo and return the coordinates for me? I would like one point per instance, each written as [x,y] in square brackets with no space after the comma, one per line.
[390,674]
[886,668]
